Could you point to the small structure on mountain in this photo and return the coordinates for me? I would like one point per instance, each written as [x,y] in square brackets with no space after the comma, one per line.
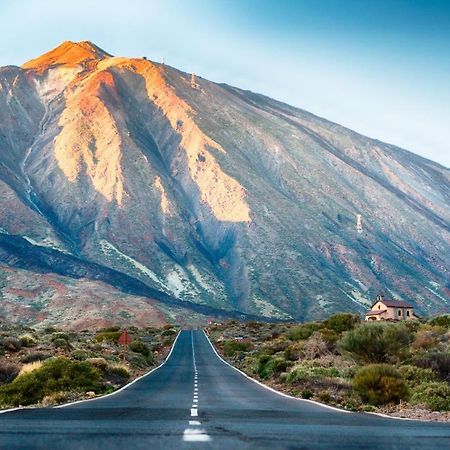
[359,223]
[390,310]
[194,84]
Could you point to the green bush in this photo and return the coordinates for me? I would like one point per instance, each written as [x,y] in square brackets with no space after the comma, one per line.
[377,343]
[60,343]
[169,332]
[79,355]
[305,373]
[27,340]
[140,347]
[435,395]
[230,348]
[441,321]
[35,356]
[307,394]
[439,362]
[111,329]
[302,332]
[111,336]
[416,375]
[341,322]
[60,335]
[379,384]
[269,366]
[55,375]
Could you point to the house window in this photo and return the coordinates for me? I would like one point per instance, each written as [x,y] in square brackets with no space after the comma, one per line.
[407,313]
[379,306]
[399,312]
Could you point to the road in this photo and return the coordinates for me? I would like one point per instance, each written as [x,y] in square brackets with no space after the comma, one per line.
[196,401]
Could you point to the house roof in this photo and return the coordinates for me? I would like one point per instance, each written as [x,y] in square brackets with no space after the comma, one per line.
[394,303]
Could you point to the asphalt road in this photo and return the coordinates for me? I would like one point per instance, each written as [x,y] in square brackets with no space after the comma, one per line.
[196,401]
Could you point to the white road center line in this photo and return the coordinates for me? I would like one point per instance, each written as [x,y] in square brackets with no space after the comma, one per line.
[195,435]
[194,412]
[194,422]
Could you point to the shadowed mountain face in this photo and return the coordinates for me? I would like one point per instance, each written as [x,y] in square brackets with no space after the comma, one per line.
[210,194]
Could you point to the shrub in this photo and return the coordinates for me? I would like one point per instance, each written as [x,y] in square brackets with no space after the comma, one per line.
[341,322]
[379,384]
[376,343]
[439,362]
[294,351]
[35,356]
[8,371]
[99,363]
[55,375]
[269,366]
[60,343]
[315,346]
[79,355]
[442,321]
[275,346]
[27,340]
[305,373]
[139,361]
[330,337]
[111,329]
[111,336]
[307,394]
[302,332]
[169,332]
[416,375]
[60,335]
[117,373]
[11,344]
[230,348]
[435,395]
[140,347]
[425,340]
[30,367]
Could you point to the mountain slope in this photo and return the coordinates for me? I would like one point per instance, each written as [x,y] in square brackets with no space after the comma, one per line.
[215,195]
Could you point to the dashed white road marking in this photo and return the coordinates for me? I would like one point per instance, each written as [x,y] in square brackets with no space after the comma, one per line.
[194,422]
[194,412]
[195,435]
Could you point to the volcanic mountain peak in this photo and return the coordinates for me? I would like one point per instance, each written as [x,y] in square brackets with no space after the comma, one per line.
[69,54]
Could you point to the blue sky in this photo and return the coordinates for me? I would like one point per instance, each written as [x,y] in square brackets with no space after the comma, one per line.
[380,67]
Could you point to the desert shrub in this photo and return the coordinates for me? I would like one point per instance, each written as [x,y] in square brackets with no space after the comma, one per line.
[139,361]
[99,363]
[55,375]
[435,395]
[169,332]
[35,356]
[79,355]
[341,322]
[441,321]
[8,371]
[50,330]
[294,351]
[117,373]
[330,337]
[30,367]
[379,384]
[269,366]
[60,335]
[27,340]
[231,347]
[416,375]
[315,346]
[11,344]
[111,336]
[376,343]
[439,362]
[55,398]
[275,346]
[140,347]
[167,326]
[425,340]
[302,332]
[305,373]
[60,343]
[306,394]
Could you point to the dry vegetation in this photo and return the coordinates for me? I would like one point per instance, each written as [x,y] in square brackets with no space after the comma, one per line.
[402,369]
[48,367]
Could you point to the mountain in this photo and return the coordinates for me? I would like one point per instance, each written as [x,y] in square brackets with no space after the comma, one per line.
[198,194]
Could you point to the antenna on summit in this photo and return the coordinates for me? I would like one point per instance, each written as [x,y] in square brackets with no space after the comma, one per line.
[162,61]
[194,84]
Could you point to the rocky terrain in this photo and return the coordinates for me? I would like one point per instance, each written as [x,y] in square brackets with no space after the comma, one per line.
[196,194]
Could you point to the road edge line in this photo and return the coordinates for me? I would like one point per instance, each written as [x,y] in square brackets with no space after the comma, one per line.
[126,385]
[304,399]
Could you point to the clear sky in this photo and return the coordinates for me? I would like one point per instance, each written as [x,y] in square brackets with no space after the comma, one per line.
[380,67]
